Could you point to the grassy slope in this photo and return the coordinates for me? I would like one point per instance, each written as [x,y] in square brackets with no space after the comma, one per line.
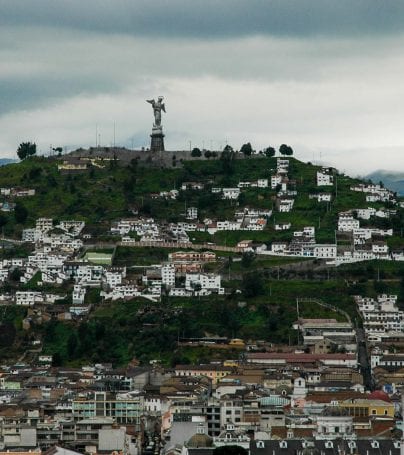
[119,331]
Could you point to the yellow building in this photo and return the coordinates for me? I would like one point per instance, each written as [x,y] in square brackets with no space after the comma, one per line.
[368,408]
[237,343]
[214,372]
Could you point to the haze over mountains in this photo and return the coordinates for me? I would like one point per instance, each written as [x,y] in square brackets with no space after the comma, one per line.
[392,180]
[4,161]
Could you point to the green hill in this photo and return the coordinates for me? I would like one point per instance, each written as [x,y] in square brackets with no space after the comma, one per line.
[105,194]
[261,303]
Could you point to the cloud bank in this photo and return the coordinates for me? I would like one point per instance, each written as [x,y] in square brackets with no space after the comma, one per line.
[323,76]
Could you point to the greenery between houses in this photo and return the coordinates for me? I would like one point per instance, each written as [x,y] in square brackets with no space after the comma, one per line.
[261,303]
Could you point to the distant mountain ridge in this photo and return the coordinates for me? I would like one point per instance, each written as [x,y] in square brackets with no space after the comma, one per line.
[392,180]
[4,161]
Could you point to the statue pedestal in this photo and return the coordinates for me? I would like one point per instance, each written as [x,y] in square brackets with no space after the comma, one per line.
[157,139]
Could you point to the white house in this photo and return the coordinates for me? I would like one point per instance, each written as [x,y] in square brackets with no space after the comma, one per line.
[282,226]
[279,247]
[44,224]
[325,251]
[347,223]
[28,298]
[78,295]
[206,281]
[276,180]
[192,213]
[168,274]
[262,183]
[230,193]
[325,178]
[321,197]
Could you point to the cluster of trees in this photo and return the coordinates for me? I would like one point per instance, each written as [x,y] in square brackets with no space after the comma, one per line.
[196,153]
[246,149]
[26,149]
[283,150]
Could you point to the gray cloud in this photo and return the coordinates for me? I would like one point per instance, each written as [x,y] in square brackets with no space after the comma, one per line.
[210,18]
[324,76]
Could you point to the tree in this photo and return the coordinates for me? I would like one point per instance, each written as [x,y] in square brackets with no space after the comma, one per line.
[71,345]
[253,284]
[285,150]
[269,152]
[57,359]
[20,213]
[3,220]
[246,149]
[26,149]
[196,153]
[208,154]
[228,148]
[16,274]
[247,259]
[227,160]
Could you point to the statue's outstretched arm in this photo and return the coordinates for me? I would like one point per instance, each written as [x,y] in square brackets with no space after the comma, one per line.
[150,101]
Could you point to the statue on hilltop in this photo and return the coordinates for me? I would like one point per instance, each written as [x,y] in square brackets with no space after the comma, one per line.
[157,106]
[157,136]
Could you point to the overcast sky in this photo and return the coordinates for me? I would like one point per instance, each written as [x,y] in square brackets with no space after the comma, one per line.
[325,76]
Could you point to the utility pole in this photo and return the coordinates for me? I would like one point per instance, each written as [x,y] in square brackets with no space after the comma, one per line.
[114,133]
[336,186]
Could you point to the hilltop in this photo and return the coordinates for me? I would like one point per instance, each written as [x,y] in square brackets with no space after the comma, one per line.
[112,189]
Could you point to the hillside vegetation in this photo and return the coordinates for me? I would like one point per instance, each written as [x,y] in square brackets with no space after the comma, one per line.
[261,304]
[105,194]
